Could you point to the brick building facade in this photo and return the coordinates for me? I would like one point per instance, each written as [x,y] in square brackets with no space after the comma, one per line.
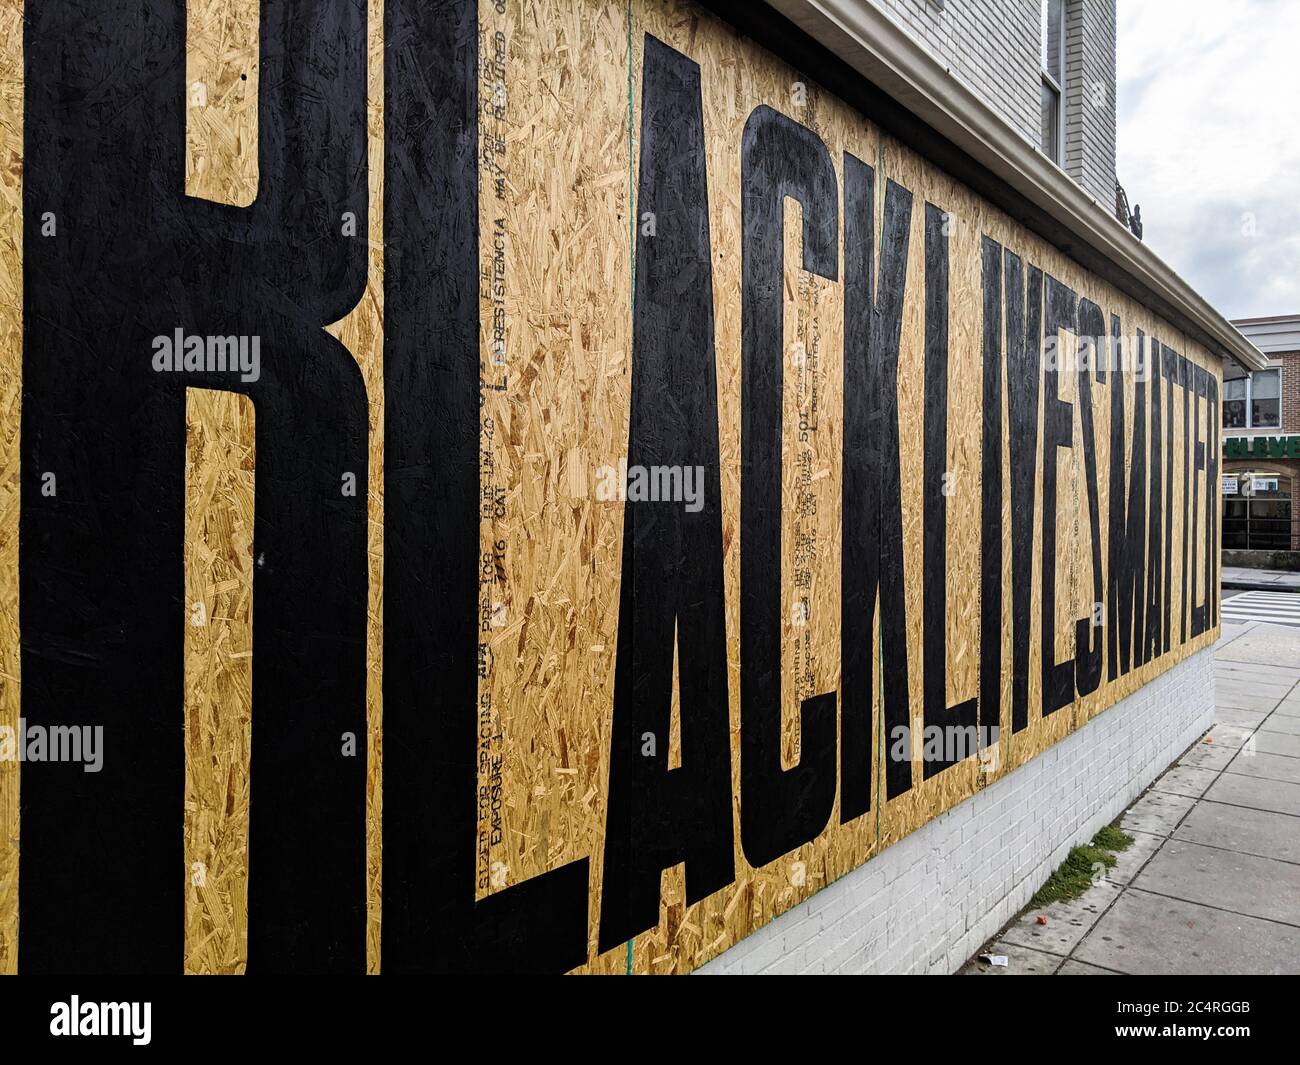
[1261,443]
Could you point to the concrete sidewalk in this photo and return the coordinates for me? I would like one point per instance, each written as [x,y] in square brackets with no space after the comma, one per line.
[1211,883]
[1240,578]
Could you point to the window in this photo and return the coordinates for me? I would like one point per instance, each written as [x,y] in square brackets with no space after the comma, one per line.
[1253,402]
[1052,56]
[1265,398]
[1234,403]
[1256,511]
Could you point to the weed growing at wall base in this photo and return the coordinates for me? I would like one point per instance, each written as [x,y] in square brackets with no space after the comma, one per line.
[1083,867]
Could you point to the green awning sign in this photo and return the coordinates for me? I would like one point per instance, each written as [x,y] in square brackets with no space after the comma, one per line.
[1261,447]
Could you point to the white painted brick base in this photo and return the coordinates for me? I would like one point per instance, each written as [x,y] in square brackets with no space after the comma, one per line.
[928,902]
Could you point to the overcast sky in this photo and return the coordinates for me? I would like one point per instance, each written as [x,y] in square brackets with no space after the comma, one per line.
[1209,144]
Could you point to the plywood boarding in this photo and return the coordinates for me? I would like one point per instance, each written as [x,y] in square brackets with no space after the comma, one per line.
[221,78]
[222,165]
[220,482]
[736,77]
[11,353]
[559,168]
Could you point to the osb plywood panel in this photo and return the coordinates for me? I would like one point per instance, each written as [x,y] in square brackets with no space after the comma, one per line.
[561,107]
[362,332]
[11,354]
[735,79]
[221,76]
[554,411]
[220,470]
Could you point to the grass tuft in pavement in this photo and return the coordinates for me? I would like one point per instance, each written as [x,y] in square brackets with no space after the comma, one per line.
[1082,866]
[1112,838]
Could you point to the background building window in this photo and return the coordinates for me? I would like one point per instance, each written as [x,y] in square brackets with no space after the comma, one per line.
[1265,398]
[1253,402]
[1256,511]
[1053,66]
[1234,403]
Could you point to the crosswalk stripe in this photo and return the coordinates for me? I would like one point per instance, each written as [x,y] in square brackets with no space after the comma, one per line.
[1272,608]
[1251,597]
[1278,597]
[1239,617]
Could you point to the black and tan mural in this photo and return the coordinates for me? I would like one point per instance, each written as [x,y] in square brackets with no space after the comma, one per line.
[530,485]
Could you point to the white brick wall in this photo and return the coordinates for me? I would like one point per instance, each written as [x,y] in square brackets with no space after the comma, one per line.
[928,902]
[991,45]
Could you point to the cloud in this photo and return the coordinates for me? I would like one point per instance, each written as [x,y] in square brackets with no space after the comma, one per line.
[1208,145]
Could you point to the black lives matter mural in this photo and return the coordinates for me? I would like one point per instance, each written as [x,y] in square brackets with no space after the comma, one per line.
[1067,380]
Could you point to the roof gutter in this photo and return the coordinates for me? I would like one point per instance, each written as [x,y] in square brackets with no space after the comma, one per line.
[1016,176]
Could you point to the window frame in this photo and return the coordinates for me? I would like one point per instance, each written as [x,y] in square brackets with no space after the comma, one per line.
[1049,81]
[1249,400]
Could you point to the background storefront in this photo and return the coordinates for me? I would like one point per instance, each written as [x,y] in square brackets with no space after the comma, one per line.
[1261,449]
[1257,510]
